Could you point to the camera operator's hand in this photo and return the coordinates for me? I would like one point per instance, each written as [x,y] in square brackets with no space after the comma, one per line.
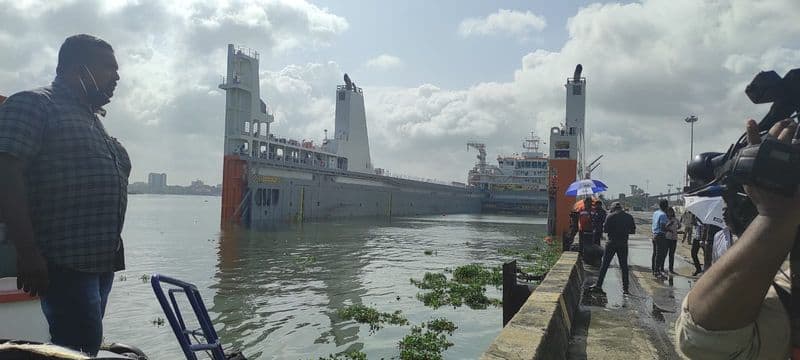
[770,204]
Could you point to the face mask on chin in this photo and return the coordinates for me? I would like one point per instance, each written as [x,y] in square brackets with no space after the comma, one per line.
[97,97]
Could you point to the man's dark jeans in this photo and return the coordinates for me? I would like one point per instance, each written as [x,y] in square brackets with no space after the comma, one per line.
[672,245]
[74,306]
[695,249]
[621,250]
[660,249]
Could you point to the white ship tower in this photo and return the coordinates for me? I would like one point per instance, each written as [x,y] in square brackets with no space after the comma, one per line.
[567,154]
[350,138]
[576,115]
[569,141]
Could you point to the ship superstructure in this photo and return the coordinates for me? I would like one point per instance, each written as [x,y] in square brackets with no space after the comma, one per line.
[269,179]
[567,154]
[517,184]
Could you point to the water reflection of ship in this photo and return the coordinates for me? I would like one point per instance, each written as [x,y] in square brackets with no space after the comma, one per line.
[266,279]
[517,184]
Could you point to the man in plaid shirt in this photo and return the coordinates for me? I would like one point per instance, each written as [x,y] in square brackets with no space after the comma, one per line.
[63,191]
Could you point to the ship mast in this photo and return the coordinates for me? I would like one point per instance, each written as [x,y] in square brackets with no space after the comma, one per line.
[481,155]
[531,146]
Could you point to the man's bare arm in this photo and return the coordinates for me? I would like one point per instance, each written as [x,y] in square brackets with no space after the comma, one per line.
[729,296]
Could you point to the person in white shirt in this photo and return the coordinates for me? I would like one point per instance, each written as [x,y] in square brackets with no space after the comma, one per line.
[723,239]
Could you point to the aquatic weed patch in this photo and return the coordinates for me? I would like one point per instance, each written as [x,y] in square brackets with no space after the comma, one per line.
[548,256]
[535,261]
[427,341]
[302,262]
[430,281]
[366,315]
[347,355]
[442,325]
[467,287]
[479,274]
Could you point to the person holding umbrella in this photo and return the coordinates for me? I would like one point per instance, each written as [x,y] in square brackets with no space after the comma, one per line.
[585,232]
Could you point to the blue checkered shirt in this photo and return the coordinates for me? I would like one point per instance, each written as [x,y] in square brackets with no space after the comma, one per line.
[76,175]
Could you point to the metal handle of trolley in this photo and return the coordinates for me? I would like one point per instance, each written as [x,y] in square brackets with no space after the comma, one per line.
[210,340]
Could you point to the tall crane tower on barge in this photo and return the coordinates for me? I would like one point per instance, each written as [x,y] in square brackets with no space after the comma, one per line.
[567,154]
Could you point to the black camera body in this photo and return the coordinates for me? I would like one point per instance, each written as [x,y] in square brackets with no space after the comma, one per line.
[771,165]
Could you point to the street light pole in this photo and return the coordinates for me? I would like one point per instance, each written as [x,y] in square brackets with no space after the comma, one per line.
[669,188]
[691,119]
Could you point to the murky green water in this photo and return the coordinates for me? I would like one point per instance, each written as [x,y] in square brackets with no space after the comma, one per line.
[274,294]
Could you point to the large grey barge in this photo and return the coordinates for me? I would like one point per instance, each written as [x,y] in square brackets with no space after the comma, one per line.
[270,180]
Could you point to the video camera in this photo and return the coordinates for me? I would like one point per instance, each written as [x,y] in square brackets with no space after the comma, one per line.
[771,165]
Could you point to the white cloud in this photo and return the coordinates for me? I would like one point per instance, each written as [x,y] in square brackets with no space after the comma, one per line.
[509,22]
[384,62]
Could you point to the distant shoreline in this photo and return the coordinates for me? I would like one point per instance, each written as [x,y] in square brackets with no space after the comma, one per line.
[139,193]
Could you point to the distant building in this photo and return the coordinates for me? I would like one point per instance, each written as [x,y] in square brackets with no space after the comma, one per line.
[157,182]
[138,187]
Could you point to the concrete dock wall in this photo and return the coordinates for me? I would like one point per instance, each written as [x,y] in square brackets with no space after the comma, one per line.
[542,327]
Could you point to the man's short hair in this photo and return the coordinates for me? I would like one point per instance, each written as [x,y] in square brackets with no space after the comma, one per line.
[663,204]
[79,49]
[616,205]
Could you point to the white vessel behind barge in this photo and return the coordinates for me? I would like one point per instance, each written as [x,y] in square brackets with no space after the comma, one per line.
[517,184]
[269,180]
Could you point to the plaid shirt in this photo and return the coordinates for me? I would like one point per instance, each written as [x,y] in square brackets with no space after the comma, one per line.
[76,175]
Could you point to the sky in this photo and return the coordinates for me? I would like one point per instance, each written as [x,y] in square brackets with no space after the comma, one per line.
[435,74]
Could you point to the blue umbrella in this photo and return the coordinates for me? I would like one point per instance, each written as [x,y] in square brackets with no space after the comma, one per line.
[586,187]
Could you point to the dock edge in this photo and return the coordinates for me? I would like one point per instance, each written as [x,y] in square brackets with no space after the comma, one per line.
[542,327]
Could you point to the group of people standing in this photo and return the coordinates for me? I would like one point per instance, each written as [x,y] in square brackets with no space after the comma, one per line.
[665,239]
[591,220]
[713,240]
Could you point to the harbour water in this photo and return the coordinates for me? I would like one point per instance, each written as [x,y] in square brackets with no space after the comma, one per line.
[274,294]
